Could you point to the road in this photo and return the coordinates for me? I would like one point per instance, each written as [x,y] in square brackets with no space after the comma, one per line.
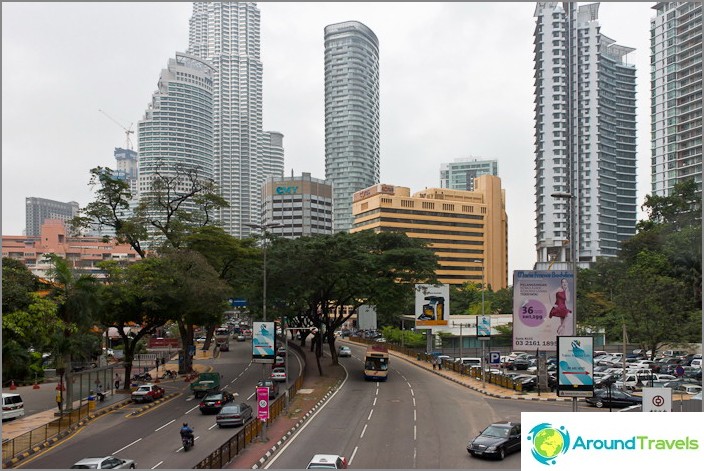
[151,437]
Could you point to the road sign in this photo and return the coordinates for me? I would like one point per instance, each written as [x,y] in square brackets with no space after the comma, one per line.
[657,400]
[679,371]
[262,403]
[494,358]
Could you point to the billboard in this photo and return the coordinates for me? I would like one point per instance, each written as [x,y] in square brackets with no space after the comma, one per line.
[366,317]
[484,326]
[542,308]
[432,304]
[262,403]
[263,342]
[575,366]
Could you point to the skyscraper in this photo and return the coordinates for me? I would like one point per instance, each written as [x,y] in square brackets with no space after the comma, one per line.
[38,210]
[227,35]
[351,115]
[272,154]
[585,137]
[460,174]
[676,95]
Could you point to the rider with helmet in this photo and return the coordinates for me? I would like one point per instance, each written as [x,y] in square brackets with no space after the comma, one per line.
[186,432]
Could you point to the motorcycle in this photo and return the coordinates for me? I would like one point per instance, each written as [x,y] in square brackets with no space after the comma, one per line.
[169,374]
[187,442]
[142,377]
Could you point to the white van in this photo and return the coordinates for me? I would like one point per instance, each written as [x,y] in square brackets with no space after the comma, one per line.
[12,406]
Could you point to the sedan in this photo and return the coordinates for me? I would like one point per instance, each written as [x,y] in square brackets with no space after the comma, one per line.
[497,440]
[212,403]
[279,361]
[234,414]
[344,351]
[617,398]
[273,387]
[241,338]
[107,462]
[278,374]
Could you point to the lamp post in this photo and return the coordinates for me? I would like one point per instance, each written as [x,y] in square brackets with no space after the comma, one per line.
[481,260]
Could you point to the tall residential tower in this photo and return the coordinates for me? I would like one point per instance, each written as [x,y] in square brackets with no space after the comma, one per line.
[585,137]
[351,115]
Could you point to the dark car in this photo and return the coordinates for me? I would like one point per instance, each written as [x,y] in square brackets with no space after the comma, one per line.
[520,363]
[212,403]
[497,440]
[234,414]
[616,398]
[272,385]
[224,347]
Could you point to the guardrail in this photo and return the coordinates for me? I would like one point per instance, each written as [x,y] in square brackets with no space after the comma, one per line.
[252,429]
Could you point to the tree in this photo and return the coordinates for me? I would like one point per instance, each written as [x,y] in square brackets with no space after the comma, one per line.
[18,284]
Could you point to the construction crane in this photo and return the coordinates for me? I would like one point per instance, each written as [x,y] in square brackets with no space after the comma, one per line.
[128,131]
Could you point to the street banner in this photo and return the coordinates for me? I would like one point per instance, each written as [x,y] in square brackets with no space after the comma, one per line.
[263,342]
[262,403]
[575,366]
[543,305]
[484,327]
[432,304]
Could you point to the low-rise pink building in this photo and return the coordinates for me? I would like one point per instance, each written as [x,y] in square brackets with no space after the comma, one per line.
[83,252]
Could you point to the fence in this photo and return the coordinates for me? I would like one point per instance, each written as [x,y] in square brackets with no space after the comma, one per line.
[35,437]
[252,429]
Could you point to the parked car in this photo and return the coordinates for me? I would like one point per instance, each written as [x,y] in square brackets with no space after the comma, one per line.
[234,414]
[498,440]
[344,351]
[272,385]
[612,397]
[12,406]
[278,374]
[212,403]
[327,462]
[107,462]
[520,363]
[148,393]
[688,388]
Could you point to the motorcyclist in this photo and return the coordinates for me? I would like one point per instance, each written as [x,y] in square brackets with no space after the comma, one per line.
[187,432]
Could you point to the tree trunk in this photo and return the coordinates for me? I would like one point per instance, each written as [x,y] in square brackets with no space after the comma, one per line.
[186,332]
[318,343]
[208,337]
[333,352]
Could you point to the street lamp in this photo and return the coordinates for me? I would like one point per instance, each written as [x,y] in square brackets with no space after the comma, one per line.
[481,260]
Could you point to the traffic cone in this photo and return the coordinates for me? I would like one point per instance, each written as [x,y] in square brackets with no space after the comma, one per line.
[12,385]
[36,385]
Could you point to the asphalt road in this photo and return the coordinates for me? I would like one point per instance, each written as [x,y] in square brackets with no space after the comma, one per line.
[151,437]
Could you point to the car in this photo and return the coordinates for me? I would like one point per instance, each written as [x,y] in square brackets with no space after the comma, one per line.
[686,388]
[107,462]
[12,406]
[278,374]
[241,337]
[497,440]
[344,351]
[212,403]
[327,462]
[272,385]
[520,363]
[234,414]
[279,361]
[224,347]
[380,340]
[281,351]
[200,340]
[148,393]
[612,397]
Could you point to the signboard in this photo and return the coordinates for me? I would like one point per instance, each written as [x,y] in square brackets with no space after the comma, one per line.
[483,327]
[575,366]
[494,358]
[237,302]
[263,342]
[432,304]
[657,399]
[542,308]
[262,403]
[366,317]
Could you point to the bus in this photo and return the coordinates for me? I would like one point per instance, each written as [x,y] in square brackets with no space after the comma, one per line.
[376,363]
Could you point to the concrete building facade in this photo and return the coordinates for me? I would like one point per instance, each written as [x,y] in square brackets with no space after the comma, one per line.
[273,154]
[460,174]
[467,230]
[38,210]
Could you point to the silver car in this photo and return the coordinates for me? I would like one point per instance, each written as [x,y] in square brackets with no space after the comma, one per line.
[107,462]
[344,351]
[234,414]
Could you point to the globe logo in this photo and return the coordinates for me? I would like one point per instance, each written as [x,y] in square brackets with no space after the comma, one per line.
[548,442]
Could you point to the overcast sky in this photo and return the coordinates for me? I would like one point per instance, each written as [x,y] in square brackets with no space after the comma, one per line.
[456,82]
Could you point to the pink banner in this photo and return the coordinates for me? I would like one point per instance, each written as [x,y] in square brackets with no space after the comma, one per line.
[263,403]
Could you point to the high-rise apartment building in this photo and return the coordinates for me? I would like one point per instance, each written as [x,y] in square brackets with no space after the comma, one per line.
[585,137]
[460,174]
[467,230]
[176,133]
[272,154]
[227,34]
[38,210]
[127,167]
[676,95]
[351,115]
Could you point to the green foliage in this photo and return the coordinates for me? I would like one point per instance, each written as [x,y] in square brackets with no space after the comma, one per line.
[411,339]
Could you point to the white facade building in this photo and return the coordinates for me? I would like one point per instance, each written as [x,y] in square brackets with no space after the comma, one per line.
[273,154]
[585,137]
[351,115]
[460,174]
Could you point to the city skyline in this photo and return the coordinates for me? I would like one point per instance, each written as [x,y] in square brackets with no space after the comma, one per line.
[438,102]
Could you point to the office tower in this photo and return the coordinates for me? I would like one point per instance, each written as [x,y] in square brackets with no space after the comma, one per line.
[227,35]
[460,174]
[585,138]
[676,95]
[467,230]
[127,167]
[272,154]
[297,206]
[176,133]
[351,115]
[38,210]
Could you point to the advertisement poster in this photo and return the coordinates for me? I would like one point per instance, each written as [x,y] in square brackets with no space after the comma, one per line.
[543,302]
[484,326]
[263,342]
[575,366]
[262,403]
[432,304]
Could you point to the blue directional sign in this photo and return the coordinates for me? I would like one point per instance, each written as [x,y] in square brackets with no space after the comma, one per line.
[494,358]
[237,302]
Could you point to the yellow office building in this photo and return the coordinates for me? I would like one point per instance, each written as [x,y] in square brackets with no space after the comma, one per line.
[466,229]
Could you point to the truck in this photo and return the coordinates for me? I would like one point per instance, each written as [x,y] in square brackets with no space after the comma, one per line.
[206,383]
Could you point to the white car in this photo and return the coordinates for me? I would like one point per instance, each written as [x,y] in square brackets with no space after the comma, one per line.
[107,462]
[278,374]
[344,351]
[327,462]
[691,389]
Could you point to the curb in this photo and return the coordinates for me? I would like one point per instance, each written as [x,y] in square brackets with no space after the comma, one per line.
[298,424]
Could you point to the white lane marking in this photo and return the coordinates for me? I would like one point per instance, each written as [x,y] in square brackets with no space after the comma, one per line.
[251,396]
[370,414]
[412,394]
[353,453]
[374,402]
[363,430]
[409,384]
[125,447]
[214,425]
[167,423]
[414,416]
[414,402]
[414,432]
[191,410]
[157,465]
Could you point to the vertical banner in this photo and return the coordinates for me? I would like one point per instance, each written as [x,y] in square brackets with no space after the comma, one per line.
[484,327]
[432,304]
[575,366]
[542,308]
[263,342]
[262,403]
